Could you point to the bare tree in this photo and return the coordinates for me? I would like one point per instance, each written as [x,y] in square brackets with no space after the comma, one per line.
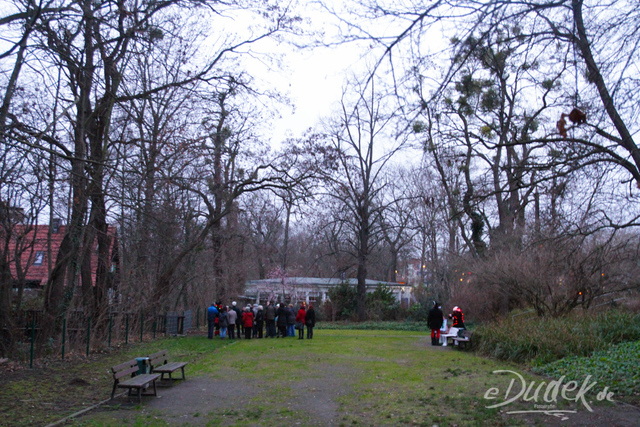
[397,219]
[364,151]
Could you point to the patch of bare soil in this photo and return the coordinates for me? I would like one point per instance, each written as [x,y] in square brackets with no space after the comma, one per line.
[192,401]
[319,394]
[188,401]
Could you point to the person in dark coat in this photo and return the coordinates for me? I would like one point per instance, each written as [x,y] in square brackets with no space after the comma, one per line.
[300,321]
[212,314]
[282,320]
[310,321]
[259,321]
[434,321]
[270,317]
[254,310]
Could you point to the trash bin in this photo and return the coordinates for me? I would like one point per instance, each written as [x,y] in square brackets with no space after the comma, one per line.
[143,365]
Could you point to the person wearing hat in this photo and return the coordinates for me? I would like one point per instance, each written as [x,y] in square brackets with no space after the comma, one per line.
[457,318]
[212,315]
[235,308]
[281,314]
[434,321]
[233,317]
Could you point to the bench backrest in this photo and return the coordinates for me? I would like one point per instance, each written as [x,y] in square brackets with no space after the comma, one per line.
[159,358]
[124,369]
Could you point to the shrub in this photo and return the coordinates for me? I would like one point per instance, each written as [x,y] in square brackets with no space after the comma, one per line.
[616,368]
[381,304]
[343,301]
[544,340]
[554,276]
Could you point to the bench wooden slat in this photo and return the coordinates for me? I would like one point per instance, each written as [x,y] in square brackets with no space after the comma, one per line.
[464,340]
[124,373]
[138,381]
[125,365]
[170,367]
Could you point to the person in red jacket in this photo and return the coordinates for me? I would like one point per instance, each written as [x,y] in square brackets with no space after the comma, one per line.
[458,318]
[300,321]
[247,322]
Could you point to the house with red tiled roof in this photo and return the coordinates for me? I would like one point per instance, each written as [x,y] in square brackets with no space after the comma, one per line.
[34,259]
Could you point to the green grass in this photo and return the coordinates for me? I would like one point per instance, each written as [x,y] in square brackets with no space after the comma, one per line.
[375,326]
[341,377]
[369,377]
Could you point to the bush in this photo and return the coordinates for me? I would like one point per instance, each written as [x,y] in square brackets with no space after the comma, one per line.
[343,301]
[554,276]
[544,340]
[418,312]
[616,368]
[380,304]
[323,311]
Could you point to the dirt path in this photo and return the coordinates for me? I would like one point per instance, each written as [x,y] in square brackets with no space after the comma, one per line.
[194,401]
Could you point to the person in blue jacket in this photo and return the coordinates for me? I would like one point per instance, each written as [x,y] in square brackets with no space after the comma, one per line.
[212,313]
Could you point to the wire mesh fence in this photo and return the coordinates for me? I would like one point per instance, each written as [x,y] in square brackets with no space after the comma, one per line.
[23,340]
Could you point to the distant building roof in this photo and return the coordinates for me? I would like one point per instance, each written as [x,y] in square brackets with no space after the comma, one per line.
[320,281]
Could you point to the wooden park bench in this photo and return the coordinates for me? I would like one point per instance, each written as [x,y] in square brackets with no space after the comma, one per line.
[160,365]
[136,381]
[462,342]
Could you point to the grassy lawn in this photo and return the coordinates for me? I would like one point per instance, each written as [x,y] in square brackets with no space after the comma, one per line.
[341,377]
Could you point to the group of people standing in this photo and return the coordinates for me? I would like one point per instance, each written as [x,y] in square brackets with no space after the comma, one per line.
[251,321]
[437,322]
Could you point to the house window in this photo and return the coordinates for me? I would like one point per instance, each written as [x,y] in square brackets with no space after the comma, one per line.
[314,296]
[39,258]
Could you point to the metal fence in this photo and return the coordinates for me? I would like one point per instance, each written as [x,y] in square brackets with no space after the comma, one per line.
[79,333]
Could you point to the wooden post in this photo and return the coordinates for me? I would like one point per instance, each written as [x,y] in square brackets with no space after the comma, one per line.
[64,335]
[88,333]
[33,340]
[110,325]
